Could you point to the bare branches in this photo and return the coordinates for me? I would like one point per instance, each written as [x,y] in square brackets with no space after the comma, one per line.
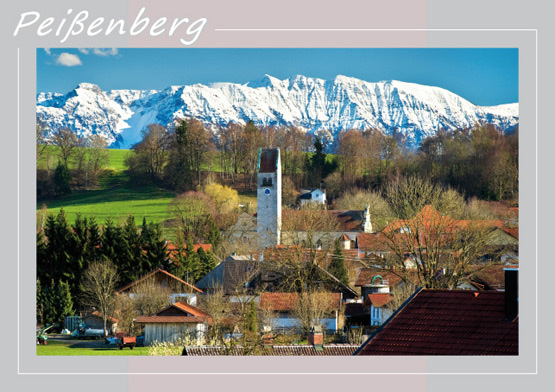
[98,285]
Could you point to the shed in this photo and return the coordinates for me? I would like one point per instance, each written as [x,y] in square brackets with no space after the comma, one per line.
[176,321]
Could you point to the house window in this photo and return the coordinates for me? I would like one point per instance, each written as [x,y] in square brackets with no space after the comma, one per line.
[267,181]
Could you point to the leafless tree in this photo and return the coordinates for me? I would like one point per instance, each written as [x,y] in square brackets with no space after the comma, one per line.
[150,297]
[98,285]
[67,141]
[312,307]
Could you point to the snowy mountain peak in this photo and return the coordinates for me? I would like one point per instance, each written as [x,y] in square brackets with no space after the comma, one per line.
[315,105]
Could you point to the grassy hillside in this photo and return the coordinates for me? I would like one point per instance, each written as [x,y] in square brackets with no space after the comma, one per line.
[116,197]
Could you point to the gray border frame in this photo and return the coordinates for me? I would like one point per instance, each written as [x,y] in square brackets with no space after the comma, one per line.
[23,87]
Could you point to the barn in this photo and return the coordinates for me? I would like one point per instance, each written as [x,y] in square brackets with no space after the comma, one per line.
[173,322]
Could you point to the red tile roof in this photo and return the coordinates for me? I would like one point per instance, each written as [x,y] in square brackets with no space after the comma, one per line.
[447,322]
[170,319]
[283,302]
[182,313]
[372,242]
[151,274]
[172,248]
[379,299]
[190,309]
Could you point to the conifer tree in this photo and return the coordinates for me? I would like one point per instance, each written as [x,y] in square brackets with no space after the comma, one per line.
[64,302]
[154,253]
[206,262]
[62,179]
[131,251]
[251,321]
[337,265]
[94,240]
[111,242]
[39,303]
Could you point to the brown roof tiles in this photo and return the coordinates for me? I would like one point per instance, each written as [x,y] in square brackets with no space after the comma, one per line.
[447,322]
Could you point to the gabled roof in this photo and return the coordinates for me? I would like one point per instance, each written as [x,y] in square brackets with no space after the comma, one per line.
[179,312]
[151,274]
[492,277]
[283,302]
[447,322]
[378,300]
[96,313]
[230,274]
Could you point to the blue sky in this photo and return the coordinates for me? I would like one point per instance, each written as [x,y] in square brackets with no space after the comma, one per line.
[482,76]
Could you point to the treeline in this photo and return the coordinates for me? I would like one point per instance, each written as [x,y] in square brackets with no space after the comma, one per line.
[65,251]
[177,158]
[479,162]
[75,163]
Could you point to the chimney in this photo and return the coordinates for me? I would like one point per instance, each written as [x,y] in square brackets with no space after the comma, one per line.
[511,293]
[316,337]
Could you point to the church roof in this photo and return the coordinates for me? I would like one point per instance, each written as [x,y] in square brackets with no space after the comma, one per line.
[268,160]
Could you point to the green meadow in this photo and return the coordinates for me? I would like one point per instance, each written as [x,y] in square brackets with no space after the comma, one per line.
[116,197]
[70,348]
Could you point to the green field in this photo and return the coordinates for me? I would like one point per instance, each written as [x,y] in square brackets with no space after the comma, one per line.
[116,197]
[67,348]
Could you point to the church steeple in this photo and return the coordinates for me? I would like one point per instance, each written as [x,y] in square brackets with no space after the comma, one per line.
[366,223]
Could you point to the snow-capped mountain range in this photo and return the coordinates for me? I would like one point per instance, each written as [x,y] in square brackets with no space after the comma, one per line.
[313,104]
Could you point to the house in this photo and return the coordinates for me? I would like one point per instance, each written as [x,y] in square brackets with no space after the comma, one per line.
[232,275]
[285,307]
[451,322]
[176,321]
[181,290]
[95,320]
[244,231]
[316,196]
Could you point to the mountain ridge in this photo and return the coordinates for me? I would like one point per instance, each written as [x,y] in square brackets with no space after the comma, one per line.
[313,104]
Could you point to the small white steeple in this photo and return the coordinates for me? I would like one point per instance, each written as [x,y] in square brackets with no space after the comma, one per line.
[366,223]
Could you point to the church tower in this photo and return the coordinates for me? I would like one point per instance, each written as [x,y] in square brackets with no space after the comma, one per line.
[366,223]
[268,223]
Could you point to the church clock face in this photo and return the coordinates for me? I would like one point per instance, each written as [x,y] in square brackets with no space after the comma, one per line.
[267,191]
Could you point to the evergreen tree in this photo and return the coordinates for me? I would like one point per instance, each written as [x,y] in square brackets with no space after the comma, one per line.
[206,262]
[194,268]
[251,319]
[58,254]
[154,253]
[94,240]
[49,306]
[111,242]
[64,302]
[39,304]
[214,235]
[78,252]
[62,179]
[131,251]
[337,265]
